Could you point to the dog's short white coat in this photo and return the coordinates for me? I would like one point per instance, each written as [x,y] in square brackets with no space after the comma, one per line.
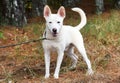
[62,38]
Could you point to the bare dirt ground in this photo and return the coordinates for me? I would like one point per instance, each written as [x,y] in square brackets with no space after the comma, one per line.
[25,63]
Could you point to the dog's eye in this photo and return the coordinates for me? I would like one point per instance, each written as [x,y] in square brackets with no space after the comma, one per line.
[50,22]
[58,22]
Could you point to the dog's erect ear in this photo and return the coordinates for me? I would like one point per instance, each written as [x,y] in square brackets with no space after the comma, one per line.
[47,11]
[61,12]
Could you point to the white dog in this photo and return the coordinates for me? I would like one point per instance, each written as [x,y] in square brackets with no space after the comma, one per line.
[62,38]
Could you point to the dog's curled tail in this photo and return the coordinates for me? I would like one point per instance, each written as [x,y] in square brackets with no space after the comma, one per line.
[83,18]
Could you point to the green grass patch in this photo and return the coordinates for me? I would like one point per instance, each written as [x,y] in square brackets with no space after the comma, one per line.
[103,28]
[1,35]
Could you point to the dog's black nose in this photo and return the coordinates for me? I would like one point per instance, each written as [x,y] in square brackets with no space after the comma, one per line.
[54,30]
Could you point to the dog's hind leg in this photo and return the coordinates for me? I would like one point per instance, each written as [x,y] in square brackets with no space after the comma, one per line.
[73,56]
[81,49]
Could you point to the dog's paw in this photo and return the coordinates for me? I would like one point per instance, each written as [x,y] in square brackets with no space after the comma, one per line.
[47,76]
[56,76]
[90,72]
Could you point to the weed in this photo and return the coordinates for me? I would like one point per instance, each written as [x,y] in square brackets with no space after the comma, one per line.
[1,35]
[8,75]
[103,29]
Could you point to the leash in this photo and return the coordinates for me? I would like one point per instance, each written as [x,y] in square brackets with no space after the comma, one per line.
[12,45]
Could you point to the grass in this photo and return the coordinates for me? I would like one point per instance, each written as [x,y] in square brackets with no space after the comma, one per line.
[1,35]
[104,29]
[101,36]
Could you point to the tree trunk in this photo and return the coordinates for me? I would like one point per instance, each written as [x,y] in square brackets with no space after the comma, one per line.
[99,6]
[13,12]
[117,4]
[38,6]
[70,3]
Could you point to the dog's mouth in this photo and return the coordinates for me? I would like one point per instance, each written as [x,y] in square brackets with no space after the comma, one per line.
[54,34]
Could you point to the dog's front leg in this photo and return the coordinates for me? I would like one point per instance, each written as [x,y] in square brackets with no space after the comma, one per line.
[47,64]
[59,61]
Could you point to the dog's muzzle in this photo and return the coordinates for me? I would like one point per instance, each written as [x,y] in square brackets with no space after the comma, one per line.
[54,32]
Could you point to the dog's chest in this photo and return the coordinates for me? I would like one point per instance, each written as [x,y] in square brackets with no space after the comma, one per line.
[53,45]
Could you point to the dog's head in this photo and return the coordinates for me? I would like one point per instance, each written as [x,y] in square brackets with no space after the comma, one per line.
[54,22]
